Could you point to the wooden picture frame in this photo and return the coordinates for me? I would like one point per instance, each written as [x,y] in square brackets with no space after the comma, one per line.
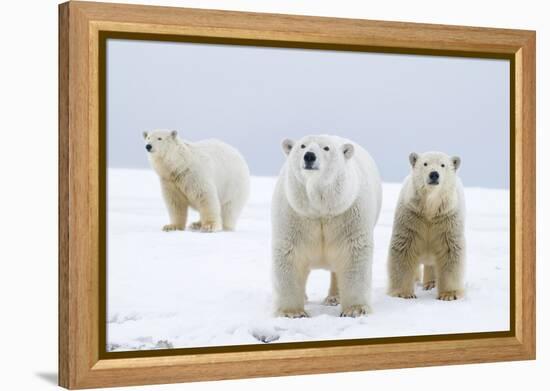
[83,28]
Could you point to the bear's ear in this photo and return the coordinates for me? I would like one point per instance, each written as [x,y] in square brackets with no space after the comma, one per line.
[145,135]
[348,150]
[174,133]
[456,162]
[287,145]
[413,157]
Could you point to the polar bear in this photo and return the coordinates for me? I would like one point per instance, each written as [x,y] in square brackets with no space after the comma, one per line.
[325,205]
[428,229]
[208,176]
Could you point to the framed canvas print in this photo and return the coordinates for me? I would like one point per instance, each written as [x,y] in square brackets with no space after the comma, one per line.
[247,195]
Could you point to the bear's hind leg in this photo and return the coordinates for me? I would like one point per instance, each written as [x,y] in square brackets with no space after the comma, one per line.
[332,297]
[230,214]
[210,216]
[428,280]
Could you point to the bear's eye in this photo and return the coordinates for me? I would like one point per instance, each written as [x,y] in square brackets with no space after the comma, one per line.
[425,164]
[326,148]
[160,138]
[443,165]
[303,146]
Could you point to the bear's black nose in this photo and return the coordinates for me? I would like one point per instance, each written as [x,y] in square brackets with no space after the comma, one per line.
[148,147]
[434,176]
[309,157]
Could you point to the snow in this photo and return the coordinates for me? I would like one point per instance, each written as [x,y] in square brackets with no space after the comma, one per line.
[189,289]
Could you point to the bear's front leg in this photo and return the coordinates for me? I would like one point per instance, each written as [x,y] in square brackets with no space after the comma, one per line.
[402,264]
[450,280]
[289,284]
[450,260]
[354,279]
[402,276]
[176,204]
[450,277]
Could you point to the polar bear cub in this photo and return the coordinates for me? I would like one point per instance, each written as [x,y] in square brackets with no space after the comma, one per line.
[428,229]
[325,205]
[208,176]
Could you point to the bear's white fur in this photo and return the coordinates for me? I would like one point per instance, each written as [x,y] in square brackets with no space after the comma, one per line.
[324,217]
[428,229]
[208,176]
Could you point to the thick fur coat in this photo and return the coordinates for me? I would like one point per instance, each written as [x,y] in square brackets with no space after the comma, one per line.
[428,229]
[325,206]
[208,176]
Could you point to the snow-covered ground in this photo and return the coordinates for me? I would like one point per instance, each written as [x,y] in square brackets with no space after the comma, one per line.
[188,289]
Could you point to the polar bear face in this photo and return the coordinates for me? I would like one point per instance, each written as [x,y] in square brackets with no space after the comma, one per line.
[320,178]
[433,170]
[316,156]
[157,142]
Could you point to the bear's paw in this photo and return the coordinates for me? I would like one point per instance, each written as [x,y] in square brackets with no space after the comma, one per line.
[354,311]
[449,295]
[402,294]
[331,300]
[173,227]
[429,285]
[211,227]
[196,226]
[293,314]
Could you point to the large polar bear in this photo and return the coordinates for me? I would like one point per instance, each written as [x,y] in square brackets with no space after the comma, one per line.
[428,229]
[208,176]
[325,206]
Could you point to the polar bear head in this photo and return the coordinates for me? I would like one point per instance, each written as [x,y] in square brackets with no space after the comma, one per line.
[320,180]
[159,142]
[433,171]
[317,156]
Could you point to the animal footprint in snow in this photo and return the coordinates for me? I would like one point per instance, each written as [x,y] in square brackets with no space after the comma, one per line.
[265,336]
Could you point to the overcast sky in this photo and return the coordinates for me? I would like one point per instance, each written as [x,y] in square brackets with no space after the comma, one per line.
[252,98]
